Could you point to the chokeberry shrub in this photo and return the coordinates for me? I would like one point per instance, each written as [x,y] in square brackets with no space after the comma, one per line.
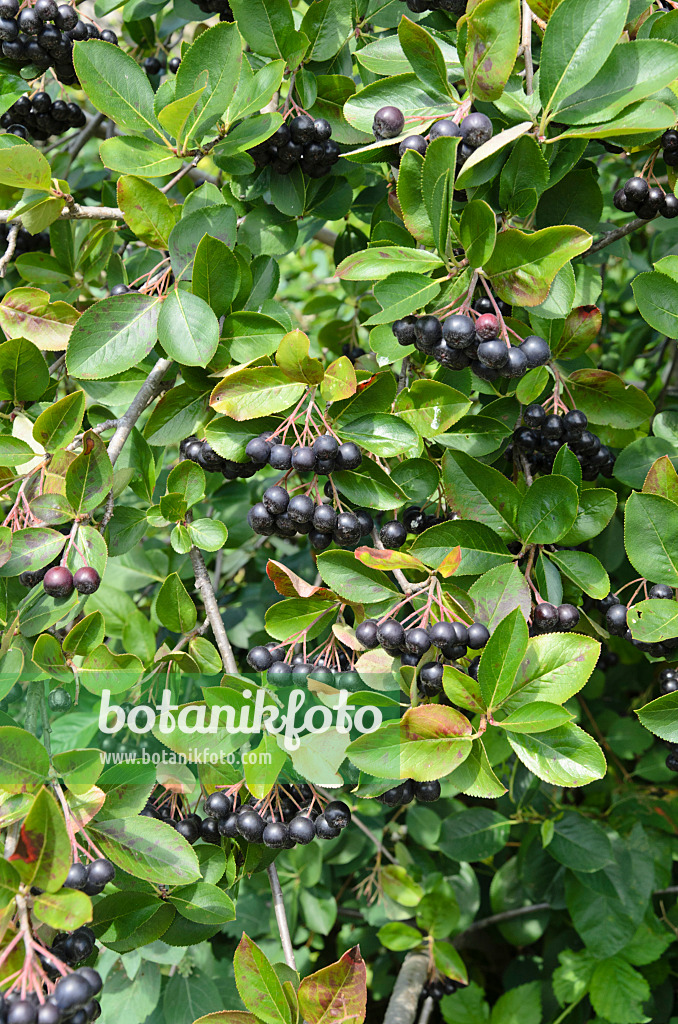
[338,371]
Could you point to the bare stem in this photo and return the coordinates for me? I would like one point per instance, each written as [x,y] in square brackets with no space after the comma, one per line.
[11,246]
[614,236]
[527,48]
[402,1006]
[281,916]
[149,390]
[204,586]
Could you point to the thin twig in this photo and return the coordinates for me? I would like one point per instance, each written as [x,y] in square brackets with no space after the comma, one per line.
[84,136]
[614,236]
[75,211]
[527,48]
[281,916]
[12,236]
[149,390]
[206,590]
[426,1011]
[181,173]
[505,915]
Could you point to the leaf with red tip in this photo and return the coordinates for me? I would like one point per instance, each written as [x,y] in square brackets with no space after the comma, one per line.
[382,558]
[336,994]
[289,584]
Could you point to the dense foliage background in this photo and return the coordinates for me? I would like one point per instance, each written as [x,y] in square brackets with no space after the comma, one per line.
[165,276]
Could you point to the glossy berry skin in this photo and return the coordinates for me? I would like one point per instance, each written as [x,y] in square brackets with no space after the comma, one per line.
[388,122]
[303,459]
[668,686]
[280,456]
[568,616]
[615,619]
[188,829]
[275,835]
[459,331]
[430,678]
[416,142]
[23,1011]
[337,814]
[476,129]
[258,451]
[536,350]
[48,1013]
[324,830]
[477,636]
[441,634]
[58,581]
[59,700]
[427,792]
[661,591]
[276,499]
[493,354]
[393,535]
[487,327]
[86,580]
[302,830]
[428,332]
[218,805]
[366,634]
[259,658]
[391,634]
[403,330]
[76,877]
[261,520]
[251,826]
[101,871]
[516,364]
[575,422]
[302,130]
[622,202]
[637,190]
[348,456]
[92,977]
[71,992]
[525,439]
[173,65]
[228,826]
[446,127]
[417,641]
[669,207]
[534,416]
[322,129]
[672,762]
[209,831]
[545,616]
[325,446]
[152,66]
[365,521]
[347,529]
[301,508]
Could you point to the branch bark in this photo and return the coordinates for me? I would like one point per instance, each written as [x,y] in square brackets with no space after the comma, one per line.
[204,586]
[12,236]
[281,916]
[402,1006]
[615,235]
[149,390]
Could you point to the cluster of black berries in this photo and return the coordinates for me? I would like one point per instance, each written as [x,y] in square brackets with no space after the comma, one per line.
[190,826]
[474,131]
[615,622]
[90,878]
[220,7]
[440,987]
[25,242]
[542,436]
[416,520]
[270,658]
[323,457]
[202,453]
[288,817]
[280,515]
[303,141]
[40,117]
[459,341]
[59,581]
[549,618]
[453,7]
[452,639]
[669,144]
[71,1001]
[409,790]
[637,197]
[668,680]
[43,36]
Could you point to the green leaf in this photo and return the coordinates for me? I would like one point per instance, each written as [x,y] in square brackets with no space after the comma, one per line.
[481,548]
[656,295]
[383,434]
[13,451]
[293,359]
[59,423]
[378,263]
[144,844]
[618,991]
[174,606]
[216,51]
[85,636]
[430,407]
[44,833]
[566,756]
[22,165]
[427,743]
[287,618]
[208,534]
[258,984]
[595,510]
[423,55]
[116,85]
[180,113]
[218,221]
[188,330]
[555,667]
[653,621]
[412,204]
[493,36]
[23,759]
[247,393]
[352,580]
[548,510]
[203,903]
[402,293]
[502,657]
[28,313]
[146,210]
[478,231]
[23,371]
[216,274]
[113,335]
[89,477]
[31,548]
[539,716]
[326,25]
[475,776]
[486,161]
[474,834]
[131,155]
[651,537]
[476,491]
[605,398]
[399,936]
[660,716]
[524,177]
[265,25]
[436,184]
[67,909]
[580,843]
[579,37]
[584,570]
[522,266]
